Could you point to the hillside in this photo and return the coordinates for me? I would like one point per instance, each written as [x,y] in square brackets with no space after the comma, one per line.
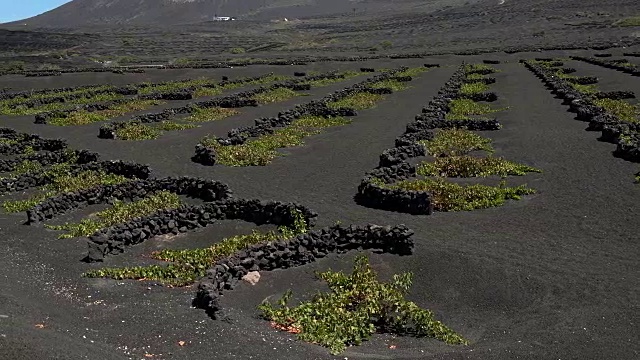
[149,12]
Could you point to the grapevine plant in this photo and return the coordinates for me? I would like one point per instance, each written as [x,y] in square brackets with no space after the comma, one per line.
[357,306]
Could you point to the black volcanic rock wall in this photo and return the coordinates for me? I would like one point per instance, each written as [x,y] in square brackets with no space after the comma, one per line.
[625,135]
[301,250]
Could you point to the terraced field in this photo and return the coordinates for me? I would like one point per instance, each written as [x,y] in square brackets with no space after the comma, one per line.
[163,218]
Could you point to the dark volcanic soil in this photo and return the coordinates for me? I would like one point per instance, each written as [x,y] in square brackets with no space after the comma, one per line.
[141,31]
[553,276]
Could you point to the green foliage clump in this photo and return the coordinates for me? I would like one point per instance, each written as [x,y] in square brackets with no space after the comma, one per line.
[84,117]
[357,306]
[263,80]
[479,69]
[210,114]
[207,91]
[392,84]
[25,167]
[470,166]
[172,86]
[275,95]
[174,126]
[22,110]
[65,182]
[588,89]
[475,77]
[328,81]
[358,101]
[134,131]
[15,206]
[320,122]
[28,150]
[4,141]
[456,142]
[449,196]
[463,109]
[261,151]
[62,182]
[120,212]
[413,72]
[12,66]
[473,88]
[189,265]
[237,50]
[621,109]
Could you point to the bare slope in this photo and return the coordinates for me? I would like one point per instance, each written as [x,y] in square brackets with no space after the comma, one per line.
[148,12]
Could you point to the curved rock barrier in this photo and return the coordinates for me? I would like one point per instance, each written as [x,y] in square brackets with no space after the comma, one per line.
[625,135]
[49,158]
[113,240]
[394,165]
[300,250]
[14,143]
[205,190]
[41,178]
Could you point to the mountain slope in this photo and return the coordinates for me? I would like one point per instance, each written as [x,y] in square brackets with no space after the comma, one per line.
[148,12]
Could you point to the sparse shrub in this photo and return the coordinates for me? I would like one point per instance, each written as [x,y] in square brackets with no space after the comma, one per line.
[470,166]
[276,95]
[12,66]
[358,101]
[328,81]
[413,72]
[174,126]
[237,50]
[137,131]
[463,109]
[83,117]
[210,114]
[15,106]
[392,84]
[357,306]
[48,67]
[585,89]
[207,91]
[483,69]
[456,142]
[621,109]
[473,88]
[449,196]
[182,61]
